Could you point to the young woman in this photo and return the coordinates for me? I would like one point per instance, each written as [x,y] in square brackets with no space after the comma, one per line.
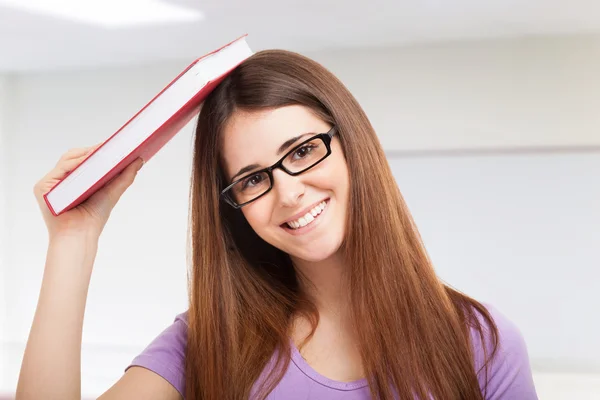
[308,276]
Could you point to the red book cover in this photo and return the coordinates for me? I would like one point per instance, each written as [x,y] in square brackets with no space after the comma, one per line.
[156,140]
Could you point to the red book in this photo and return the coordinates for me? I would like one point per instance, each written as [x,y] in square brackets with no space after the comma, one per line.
[150,128]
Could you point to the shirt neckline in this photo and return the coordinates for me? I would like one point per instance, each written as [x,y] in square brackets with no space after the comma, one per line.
[303,366]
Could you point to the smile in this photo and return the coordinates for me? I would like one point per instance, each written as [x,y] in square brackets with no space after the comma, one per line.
[308,219]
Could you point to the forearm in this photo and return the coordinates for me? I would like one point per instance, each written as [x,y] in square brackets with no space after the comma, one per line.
[51,367]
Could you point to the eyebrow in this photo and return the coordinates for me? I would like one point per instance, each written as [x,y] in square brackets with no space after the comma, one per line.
[280,150]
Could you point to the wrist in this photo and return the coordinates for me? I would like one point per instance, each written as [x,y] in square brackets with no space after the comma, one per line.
[85,238]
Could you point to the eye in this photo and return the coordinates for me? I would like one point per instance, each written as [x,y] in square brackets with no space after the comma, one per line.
[303,151]
[252,181]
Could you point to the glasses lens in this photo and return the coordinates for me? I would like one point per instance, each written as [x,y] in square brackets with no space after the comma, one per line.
[250,187]
[306,155]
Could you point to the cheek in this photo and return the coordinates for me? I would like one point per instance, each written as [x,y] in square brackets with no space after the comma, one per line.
[332,174]
[258,216]
[342,187]
[338,176]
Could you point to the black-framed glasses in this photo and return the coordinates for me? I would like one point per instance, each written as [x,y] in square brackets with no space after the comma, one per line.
[296,161]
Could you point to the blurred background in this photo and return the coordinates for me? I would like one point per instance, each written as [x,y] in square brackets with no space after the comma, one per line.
[488,112]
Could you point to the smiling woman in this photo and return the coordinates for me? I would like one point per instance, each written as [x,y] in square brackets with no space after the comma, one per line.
[309,278]
[308,275]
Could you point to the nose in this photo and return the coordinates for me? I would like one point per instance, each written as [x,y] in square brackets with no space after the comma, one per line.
[290,189]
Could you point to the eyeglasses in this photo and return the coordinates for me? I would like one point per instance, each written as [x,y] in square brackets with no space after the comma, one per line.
[296,161]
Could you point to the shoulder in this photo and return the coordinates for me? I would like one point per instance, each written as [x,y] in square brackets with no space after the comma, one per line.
[165,354]
[508,374]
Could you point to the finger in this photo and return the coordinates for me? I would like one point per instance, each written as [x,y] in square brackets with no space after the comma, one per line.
[66,166]
[56,174]
[78,152]
[118,185]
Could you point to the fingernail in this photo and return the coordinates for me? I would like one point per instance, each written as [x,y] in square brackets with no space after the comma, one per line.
[141,164]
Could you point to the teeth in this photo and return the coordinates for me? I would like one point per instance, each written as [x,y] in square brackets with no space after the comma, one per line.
[308,217]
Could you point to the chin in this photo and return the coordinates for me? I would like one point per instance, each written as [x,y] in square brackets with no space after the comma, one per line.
[312,257]
[316,253]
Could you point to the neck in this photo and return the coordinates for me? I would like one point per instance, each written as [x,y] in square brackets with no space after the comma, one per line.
[325,283]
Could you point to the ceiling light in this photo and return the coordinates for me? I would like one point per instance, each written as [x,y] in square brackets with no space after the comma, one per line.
[109,13]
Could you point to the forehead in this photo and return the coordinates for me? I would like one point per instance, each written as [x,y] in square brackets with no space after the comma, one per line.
[254,137]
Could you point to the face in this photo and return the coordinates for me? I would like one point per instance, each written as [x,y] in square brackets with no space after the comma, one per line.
[255,138]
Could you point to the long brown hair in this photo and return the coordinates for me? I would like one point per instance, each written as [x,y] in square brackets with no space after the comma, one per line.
[414,330]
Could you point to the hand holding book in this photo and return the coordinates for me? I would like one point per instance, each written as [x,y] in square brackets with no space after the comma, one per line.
[90,217]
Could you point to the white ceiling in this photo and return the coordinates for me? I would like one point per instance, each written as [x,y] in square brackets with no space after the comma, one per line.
[34,42]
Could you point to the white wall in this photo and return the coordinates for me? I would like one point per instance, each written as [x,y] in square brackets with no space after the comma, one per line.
[478,95]
[4,96]
[486,95]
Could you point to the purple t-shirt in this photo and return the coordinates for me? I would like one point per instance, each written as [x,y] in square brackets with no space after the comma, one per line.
[509,376]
